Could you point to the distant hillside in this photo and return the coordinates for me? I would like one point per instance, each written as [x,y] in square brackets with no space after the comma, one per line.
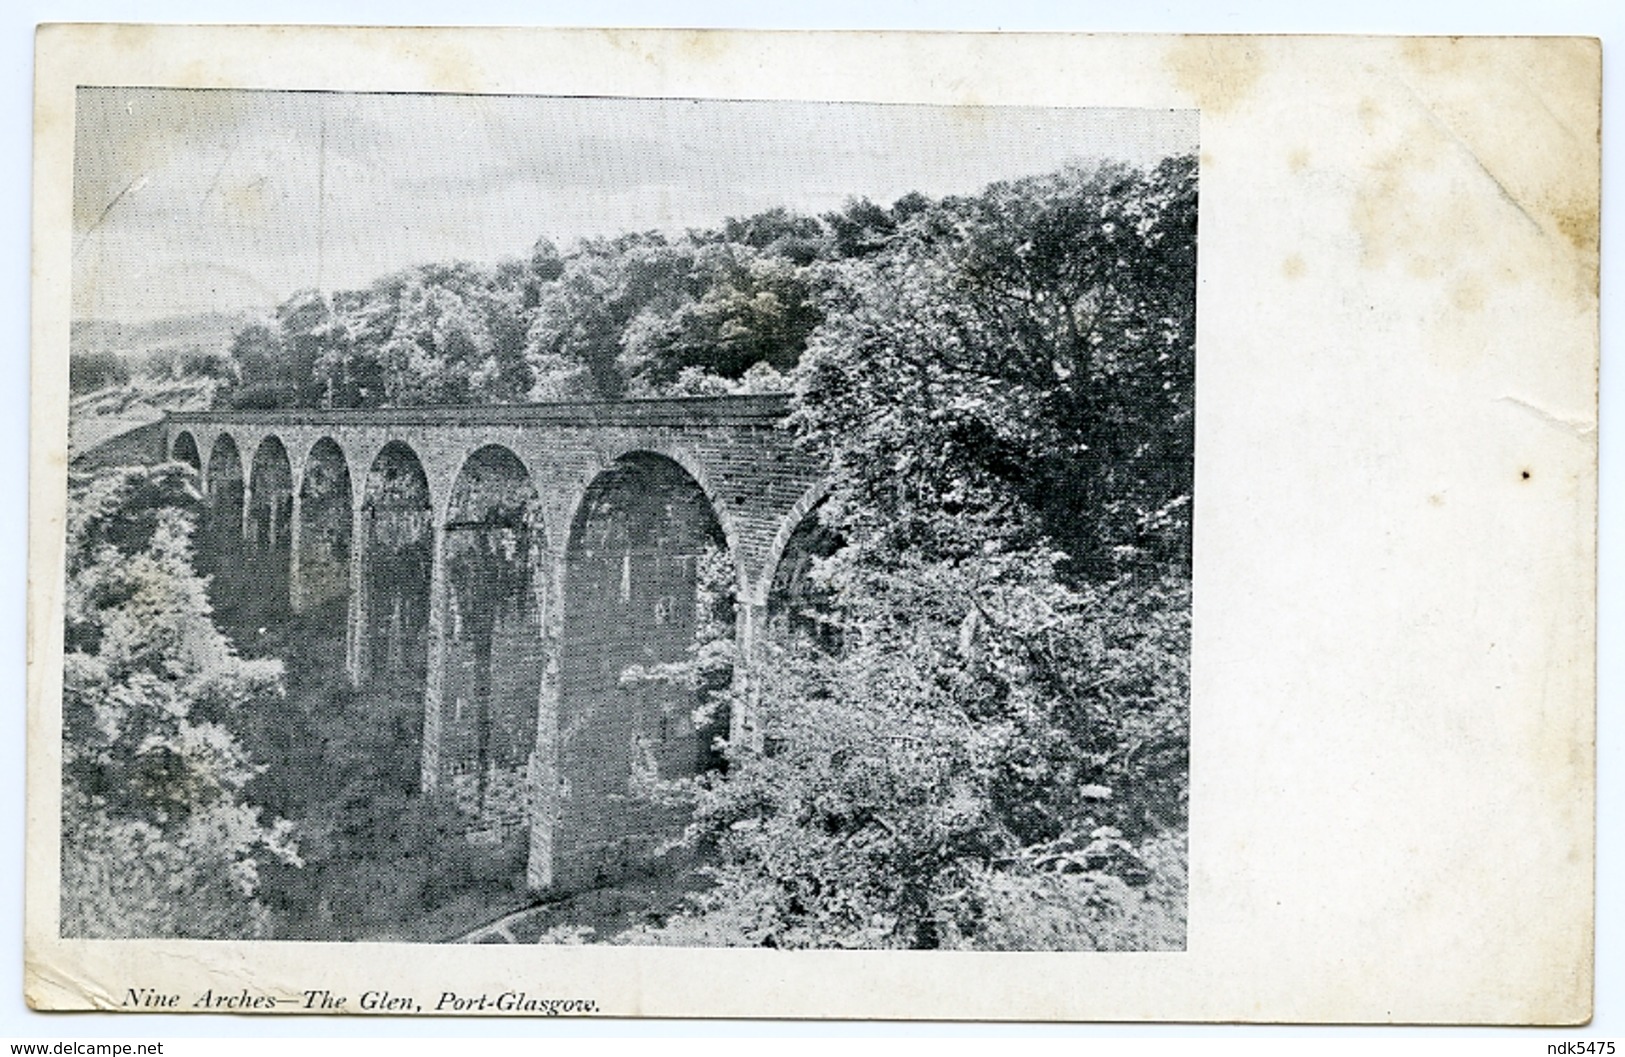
[125,374]
[203,332]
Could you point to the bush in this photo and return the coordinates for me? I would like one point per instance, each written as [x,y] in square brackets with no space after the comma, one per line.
[159,838]
[182,362]
[1022,908]
[1002,388]
[981,724]
[344,766]
[261,396]
[378,859]
[89,371]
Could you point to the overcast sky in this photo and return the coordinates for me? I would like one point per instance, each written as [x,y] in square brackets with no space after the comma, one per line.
[187,201]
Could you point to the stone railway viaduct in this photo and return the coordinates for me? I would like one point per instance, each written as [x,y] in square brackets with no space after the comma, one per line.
[530,568]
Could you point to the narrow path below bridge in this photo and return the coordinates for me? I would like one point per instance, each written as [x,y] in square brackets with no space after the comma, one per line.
[601,915]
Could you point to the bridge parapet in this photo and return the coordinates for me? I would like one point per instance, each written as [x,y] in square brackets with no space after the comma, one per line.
[679,411]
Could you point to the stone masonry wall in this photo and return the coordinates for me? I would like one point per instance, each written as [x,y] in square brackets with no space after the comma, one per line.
[571,744]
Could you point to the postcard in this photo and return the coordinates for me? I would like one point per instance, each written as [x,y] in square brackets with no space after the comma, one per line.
[854,525]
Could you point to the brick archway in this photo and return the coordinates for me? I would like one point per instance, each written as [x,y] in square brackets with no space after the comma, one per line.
[486,681]
[397,558]
[321,566]
[184,449]
[647,580]
[268,524]
[375,495]
[220,546]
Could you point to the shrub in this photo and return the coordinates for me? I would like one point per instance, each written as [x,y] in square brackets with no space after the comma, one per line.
[159,837]
[89,371]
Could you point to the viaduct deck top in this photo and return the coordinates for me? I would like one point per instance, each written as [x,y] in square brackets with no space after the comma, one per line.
[754,410]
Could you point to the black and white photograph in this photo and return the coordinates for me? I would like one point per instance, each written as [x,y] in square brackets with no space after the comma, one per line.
[577,520]
[784,526]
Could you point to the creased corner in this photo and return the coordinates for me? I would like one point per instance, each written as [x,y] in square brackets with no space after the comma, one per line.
[1579,428]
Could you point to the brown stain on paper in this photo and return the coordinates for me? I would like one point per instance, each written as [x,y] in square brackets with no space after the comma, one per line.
[1393,218]
[1436,55]
[1219,72]
[1478,181]
[1370,115]
[130,38]
[702,45]
[1467,294]
[1579,223]
[1522,117]
[452,68]
[669,48]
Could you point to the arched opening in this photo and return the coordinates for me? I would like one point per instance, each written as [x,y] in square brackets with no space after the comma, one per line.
[799,607]
[185,450]
[325,514]
[495,654]
[648,631]
[269,526]
[220,545]
[396,564]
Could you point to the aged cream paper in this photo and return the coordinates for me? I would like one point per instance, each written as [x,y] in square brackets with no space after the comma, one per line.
[1393,663]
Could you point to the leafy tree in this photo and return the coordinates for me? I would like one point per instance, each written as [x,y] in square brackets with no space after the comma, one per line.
[639,314]
[158,838]
[863,228]
[190,360]
[1002,385]
[780,233]
[349,367]
[1029,350]
[545,265]
[260,376]
[305,327]
[440,334]
[604,286]
[507,321]
[424,336]
[756,308]
[981,727]
[89,371]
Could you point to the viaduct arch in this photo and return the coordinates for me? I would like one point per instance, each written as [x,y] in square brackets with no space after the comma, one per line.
[545,572]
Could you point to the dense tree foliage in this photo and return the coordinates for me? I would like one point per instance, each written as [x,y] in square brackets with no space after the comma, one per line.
[139,358]
[380,859]
[983,729]
[642,314]
[1003,385]
[158,838]
[99,369]
[1021,362]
